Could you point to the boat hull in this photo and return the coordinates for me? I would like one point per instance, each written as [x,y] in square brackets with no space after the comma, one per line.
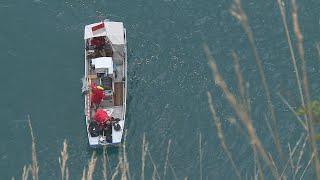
[116,107]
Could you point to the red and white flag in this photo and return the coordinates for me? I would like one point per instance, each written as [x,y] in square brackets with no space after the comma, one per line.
[97,29]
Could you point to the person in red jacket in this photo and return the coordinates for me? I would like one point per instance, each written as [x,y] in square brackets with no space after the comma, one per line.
[97,95]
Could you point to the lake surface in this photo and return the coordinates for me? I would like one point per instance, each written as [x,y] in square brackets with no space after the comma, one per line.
[41,52]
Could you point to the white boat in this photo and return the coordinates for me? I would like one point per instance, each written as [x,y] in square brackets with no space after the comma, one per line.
[106,67]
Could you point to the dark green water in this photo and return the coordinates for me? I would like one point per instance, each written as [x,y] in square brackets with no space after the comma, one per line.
[41,52]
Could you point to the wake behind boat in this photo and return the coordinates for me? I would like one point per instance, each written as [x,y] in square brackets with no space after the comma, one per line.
[104,83]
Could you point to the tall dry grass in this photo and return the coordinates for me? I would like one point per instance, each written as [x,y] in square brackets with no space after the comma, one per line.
[121,171]
[238,12]
[292,160]
[34,166]
[300,46]
[241,112]
[63,161]
[217,122]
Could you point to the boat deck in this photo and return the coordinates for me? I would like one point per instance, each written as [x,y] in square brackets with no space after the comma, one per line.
[116,111]
[118,94]
[119,73]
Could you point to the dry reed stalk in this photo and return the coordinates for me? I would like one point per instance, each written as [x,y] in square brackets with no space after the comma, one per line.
[294,62]
[167,159]
[200,155]
[154,174]
[105,163]
[116,172]
[63,159]
[300,155]
[122,168]
[143,155]
[153,164]
[91,166]
[311,130]
[34,166]
[269,127]
[257,162]
[293,111]
[305,169]
[238,13]
[272,161]
[84,174]
[67,173]
[239,76]
[173,171]
[291,154]
[217,122]
[125,158]
[25,172]
[240,111]
[291,161]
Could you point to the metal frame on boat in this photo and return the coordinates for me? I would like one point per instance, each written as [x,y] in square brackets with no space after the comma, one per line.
[106,67]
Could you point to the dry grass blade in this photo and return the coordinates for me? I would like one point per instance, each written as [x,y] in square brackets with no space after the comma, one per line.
[84,174]
[269,127]
[307,166]
[291,154]
[25,172]
[122,168]
[63,159]
[154,173]
[305,85]
[237,12]
[67,173]
[34,166]
[91,166]
[258,164]
[291,160]
[272,161]
[154,165]
[200,155]
[298,166]
[105,163]
[294,62]
[217,122]
[143,155]
[173,171]
[318,49]
[239,76]
[240,111]
[125,158]
[167,160]
[116,172]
